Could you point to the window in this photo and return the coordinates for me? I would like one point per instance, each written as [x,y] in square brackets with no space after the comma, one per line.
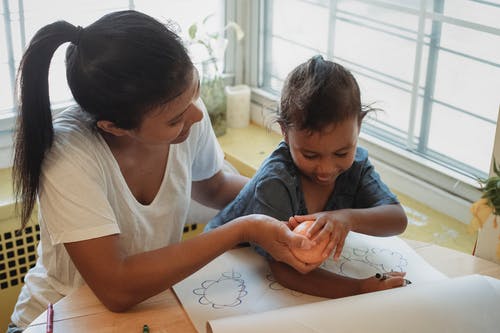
[20,19]
[432,66]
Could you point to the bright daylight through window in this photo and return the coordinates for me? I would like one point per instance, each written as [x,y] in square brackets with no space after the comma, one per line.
[432,66]
[20,19]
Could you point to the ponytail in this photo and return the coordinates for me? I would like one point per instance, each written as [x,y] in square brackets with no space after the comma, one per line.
[117,68]
[34,133]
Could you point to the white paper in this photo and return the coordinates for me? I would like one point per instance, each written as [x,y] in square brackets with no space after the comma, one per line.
[464,304]
[240,282]
[364,256]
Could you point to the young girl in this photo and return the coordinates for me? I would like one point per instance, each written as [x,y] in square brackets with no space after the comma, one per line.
[319,173]
[114,174]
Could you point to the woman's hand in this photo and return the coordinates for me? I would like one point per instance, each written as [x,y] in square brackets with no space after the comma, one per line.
[333,225]
[277,239]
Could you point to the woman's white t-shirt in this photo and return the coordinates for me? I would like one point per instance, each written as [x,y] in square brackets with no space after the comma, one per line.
[83,195]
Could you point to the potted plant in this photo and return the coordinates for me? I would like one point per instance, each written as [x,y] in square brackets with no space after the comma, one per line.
[212,80]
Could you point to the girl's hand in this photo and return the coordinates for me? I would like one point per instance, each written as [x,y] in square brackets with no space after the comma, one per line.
[277,239]
[390,280]
[333,225]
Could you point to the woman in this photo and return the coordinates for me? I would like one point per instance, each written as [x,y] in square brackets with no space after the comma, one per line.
[114,175]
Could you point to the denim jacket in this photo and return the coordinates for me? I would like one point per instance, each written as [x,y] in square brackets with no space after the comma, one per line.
[275,190]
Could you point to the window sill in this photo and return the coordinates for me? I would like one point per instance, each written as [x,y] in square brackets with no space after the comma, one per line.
[7,123]
[7,202]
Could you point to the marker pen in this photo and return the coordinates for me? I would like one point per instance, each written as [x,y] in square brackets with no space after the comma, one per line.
[385,276]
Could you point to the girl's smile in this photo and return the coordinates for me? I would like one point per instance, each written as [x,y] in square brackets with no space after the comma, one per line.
[322,156]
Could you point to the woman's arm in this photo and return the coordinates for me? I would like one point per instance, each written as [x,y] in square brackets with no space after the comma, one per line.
[218,190]
[121,282]
[323,283]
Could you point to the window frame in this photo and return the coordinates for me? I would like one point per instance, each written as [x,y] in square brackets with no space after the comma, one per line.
[418,91]
[8,115]
[245,67]
[459,190]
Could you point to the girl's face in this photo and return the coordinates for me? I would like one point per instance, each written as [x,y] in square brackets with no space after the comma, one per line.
[170,123]
[322,156]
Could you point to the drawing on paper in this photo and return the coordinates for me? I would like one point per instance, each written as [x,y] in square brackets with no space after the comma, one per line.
[355,262]
[274,285]
[358,262]
[370,260]
[225,292]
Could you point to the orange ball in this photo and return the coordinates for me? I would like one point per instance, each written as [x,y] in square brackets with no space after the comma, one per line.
[314,254]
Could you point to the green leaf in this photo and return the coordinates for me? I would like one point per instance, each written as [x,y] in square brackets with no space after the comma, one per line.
[207,17]
[192,31]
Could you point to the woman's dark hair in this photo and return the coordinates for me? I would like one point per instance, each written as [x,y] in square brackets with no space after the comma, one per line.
[318,93]
[117,68]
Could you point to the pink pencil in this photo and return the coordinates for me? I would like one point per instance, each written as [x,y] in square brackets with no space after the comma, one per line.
[50,318]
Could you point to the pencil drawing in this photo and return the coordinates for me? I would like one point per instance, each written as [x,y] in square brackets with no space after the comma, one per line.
[230,289]
[227,291]
[274,285]
[368,261]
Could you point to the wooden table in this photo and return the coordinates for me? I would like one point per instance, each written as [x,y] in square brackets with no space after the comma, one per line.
[82,311]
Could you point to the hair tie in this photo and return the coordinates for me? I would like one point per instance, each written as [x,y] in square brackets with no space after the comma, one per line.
[78,34]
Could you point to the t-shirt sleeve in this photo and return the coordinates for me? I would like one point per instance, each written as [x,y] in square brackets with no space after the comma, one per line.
[72,200]
[273,197]
[209,158]
[372,190]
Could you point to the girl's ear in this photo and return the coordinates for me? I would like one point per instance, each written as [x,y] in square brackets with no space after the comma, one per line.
[110,127]
[362,115]
[284,132]
[360,120]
